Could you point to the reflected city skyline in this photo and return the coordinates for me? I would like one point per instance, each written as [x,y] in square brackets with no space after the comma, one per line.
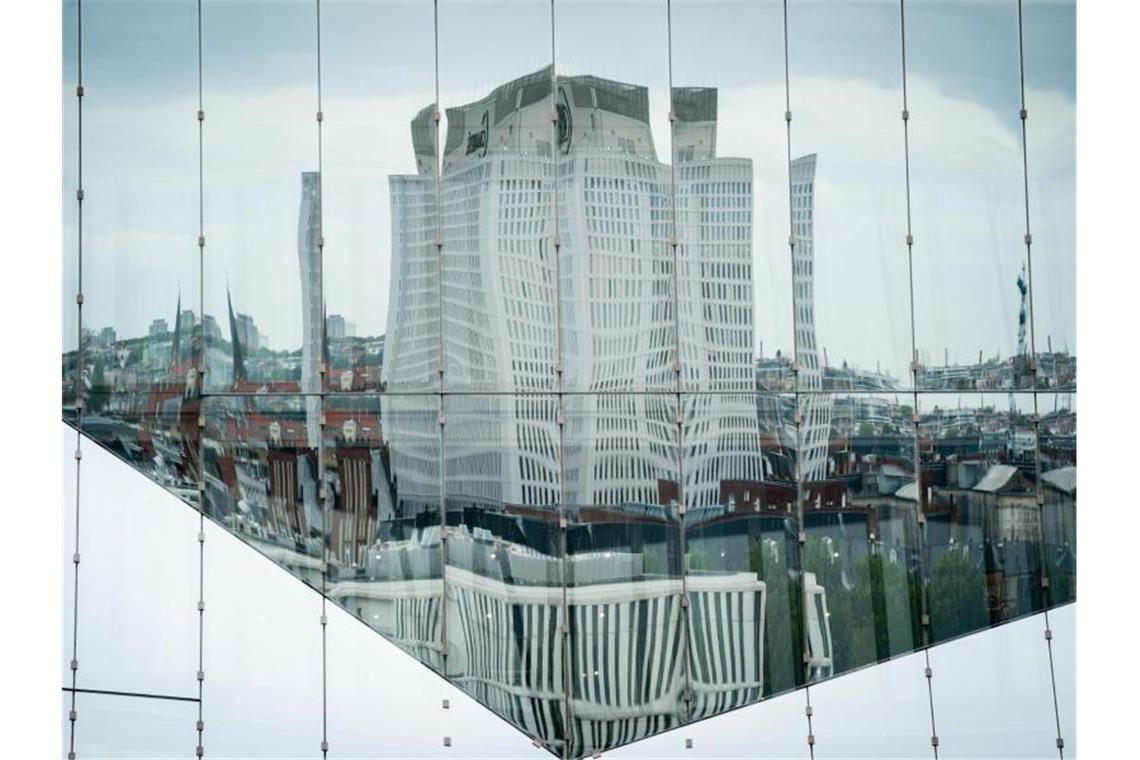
[621,439]
[634,457]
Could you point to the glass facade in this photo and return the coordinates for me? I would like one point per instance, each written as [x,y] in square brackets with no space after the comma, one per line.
[625,363]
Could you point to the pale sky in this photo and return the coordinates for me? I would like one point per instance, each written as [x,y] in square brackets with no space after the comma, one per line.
[141,142]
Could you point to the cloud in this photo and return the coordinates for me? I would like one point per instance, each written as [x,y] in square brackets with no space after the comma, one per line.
[967,205]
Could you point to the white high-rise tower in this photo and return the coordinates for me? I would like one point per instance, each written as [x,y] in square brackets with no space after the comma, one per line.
[613,292]
[815,406]
[312,316]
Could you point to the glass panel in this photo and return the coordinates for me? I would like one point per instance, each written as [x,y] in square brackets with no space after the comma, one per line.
[879,712]
[259,644]
[983,526]
[116,728]
[732,203]
[499,269]
[155,431]
[362,668]
[70,219]
[779,562]
[140,207]
[992,695]
[261,477]
[1050,98]
[848,195]
[1063,621]
[860,513]
[1058,446]
[504,560]
[68,551]
[774,730]
[628,674]
[740,542]
[263,265]
[139,571]
[967,195]
[617,281]
[378,193]
[382,467]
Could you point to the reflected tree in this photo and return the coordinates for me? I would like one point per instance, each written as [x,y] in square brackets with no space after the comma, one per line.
[957,595]
[783,627]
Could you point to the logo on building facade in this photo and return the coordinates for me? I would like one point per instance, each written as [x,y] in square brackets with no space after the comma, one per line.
[477,141]
[565,120]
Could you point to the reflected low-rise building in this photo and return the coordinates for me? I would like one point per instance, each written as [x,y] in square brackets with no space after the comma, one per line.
[622,670]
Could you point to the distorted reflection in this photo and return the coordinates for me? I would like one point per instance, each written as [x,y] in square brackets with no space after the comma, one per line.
[564,476]
[990,524]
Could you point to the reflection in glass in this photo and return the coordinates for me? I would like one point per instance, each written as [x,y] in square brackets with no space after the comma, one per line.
[742,559]
[140,214]
[627,670]
[1049,32]
[498,271]
[983,525]
[555,319]
[967,195]
[731,177]
[262,273]
[70,207]
[850,276]
[617,281]
[861,558]
[411,353]
[156,432]
[504,568]
[382,469]
[377,71]
[260,477]
[1058,451]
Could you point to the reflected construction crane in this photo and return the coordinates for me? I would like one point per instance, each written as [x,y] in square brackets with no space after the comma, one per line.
[1022,288]
[1022,320]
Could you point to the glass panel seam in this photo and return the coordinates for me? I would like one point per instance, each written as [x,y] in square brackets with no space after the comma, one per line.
[200,422]
[79,363]
[560,408]
[440,364]
[678,371]
[1034,370]
[796,369]
[323,364]
[924,608]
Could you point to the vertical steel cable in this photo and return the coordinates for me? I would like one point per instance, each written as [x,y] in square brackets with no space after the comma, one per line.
[915,370]
[560,409]
[441,367]
[322,490]
[201,370]
[1039,492]
[687,695]
[801,535]
[79,371]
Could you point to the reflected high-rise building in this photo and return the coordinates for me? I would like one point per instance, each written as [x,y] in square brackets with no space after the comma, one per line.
[605,285]
[816,416]
[312,316]
[573,250]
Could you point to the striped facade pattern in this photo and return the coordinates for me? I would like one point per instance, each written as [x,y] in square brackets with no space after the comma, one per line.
[625,678]
[355,516]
